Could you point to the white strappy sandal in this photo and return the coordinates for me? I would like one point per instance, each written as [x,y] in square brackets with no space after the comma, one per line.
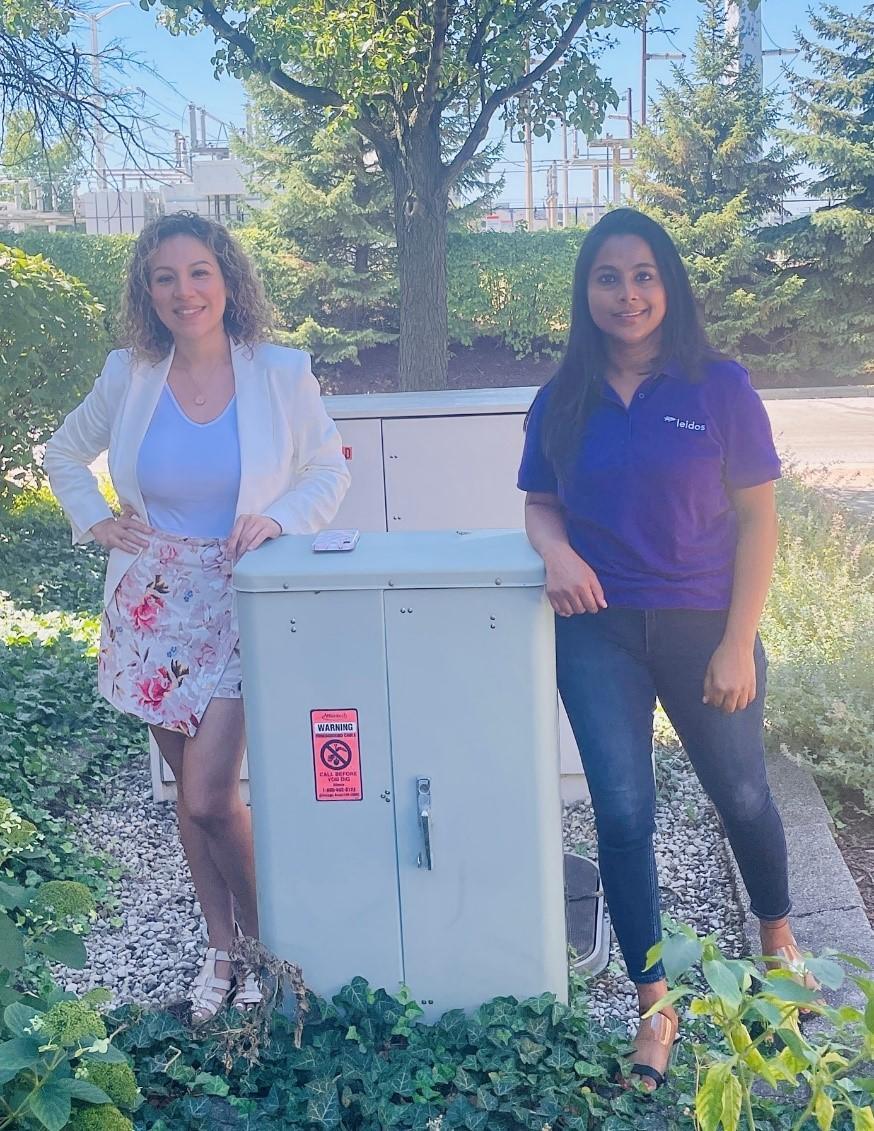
[209,993]
[247,995]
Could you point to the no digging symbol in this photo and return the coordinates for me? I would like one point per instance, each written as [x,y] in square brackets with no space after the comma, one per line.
[336,754]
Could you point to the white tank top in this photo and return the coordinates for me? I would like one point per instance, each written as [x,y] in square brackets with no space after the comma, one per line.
[189,473]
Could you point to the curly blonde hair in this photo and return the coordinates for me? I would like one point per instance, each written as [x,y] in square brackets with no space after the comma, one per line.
[247,315]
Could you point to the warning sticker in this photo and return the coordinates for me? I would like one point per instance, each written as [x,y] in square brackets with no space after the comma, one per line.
[336,755]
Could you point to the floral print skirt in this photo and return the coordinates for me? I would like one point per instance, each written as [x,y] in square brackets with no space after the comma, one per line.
[169,638]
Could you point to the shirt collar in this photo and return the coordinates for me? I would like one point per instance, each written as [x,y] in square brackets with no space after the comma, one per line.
[643,390]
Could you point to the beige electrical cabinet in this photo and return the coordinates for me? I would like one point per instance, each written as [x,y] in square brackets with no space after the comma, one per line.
[433,461]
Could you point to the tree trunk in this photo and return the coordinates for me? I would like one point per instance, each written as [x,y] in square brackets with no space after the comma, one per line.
[421,205]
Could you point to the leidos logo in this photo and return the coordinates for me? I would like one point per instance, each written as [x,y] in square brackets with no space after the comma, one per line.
[691,425]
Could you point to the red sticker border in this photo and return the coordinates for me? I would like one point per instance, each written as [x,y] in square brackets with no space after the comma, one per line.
[341,747]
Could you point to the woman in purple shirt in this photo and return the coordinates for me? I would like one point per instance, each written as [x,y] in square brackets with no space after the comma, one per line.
[649,469]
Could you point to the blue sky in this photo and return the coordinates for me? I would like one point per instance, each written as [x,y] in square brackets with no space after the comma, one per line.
[183,64]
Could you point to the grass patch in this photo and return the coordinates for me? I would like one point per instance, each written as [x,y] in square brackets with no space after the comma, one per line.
[818,629]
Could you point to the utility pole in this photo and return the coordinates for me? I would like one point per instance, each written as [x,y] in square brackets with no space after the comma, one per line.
[93,19]
[565,191]
[192,126]
[744,23]
[529,174]
[528,147]
[646,56]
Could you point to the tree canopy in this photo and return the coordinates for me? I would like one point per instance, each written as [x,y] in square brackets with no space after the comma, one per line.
[397,72]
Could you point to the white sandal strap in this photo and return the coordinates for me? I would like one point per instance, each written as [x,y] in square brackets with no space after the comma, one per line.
[248,993]
[209,992]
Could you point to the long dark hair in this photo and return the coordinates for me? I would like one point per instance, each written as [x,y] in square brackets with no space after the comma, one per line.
[575,387]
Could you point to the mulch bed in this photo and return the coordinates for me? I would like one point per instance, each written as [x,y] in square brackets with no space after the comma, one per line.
[855,839]
[484,365]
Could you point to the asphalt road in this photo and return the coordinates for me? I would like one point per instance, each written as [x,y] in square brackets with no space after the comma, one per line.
[833,440]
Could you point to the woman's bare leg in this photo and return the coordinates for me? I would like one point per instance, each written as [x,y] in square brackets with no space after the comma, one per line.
[211,787]
[213,893]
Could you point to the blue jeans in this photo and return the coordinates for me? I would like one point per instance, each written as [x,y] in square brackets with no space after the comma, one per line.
[611,667]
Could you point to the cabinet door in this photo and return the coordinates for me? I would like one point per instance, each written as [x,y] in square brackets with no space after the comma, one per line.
[364,505]
[326,869]
[473,711]
[453,472]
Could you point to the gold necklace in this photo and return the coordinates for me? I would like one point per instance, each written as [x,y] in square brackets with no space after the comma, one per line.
[199,398]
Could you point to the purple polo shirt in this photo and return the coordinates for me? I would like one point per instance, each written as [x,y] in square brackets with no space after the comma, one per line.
[646,496]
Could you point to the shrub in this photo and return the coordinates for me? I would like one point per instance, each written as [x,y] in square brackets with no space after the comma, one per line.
[72,1024]
[50,1041]
[51,345]
[105,1118]
[98,262]
[118,1081]
[515,287]
[38,569]
[58,737]
[67,901]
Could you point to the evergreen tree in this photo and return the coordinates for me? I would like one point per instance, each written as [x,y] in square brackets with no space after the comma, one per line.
[833,248]
[325,241]
[835,106]
[709,168]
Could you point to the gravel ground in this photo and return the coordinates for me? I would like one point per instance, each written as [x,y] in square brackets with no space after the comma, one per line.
[695,876]
[155,954]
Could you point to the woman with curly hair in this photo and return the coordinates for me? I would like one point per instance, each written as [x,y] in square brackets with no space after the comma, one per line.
[217,441]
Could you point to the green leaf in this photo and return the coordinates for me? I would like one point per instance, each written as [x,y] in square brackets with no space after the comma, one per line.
[51,1104]
[13,895]
[84,1090]
[539,1004]
[355,997]
[23,1052]
[863,1119]
[678,953]
[722,981]
[732,1098]
[64,947]
[785,988]
[17,1018]
[826,971]
[11,944]
[323,1102]
[824,1111]
[768,1011]
[210,1085]
[179,1071]
[561,1059]
[709,1100]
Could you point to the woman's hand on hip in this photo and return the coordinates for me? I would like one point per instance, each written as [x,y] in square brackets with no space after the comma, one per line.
[730,679]
[572,586]
[249,531]
[126,531]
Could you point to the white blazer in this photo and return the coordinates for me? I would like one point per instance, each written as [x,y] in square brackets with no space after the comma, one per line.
[292,465]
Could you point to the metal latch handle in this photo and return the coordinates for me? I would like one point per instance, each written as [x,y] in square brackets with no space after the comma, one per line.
[423,808]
